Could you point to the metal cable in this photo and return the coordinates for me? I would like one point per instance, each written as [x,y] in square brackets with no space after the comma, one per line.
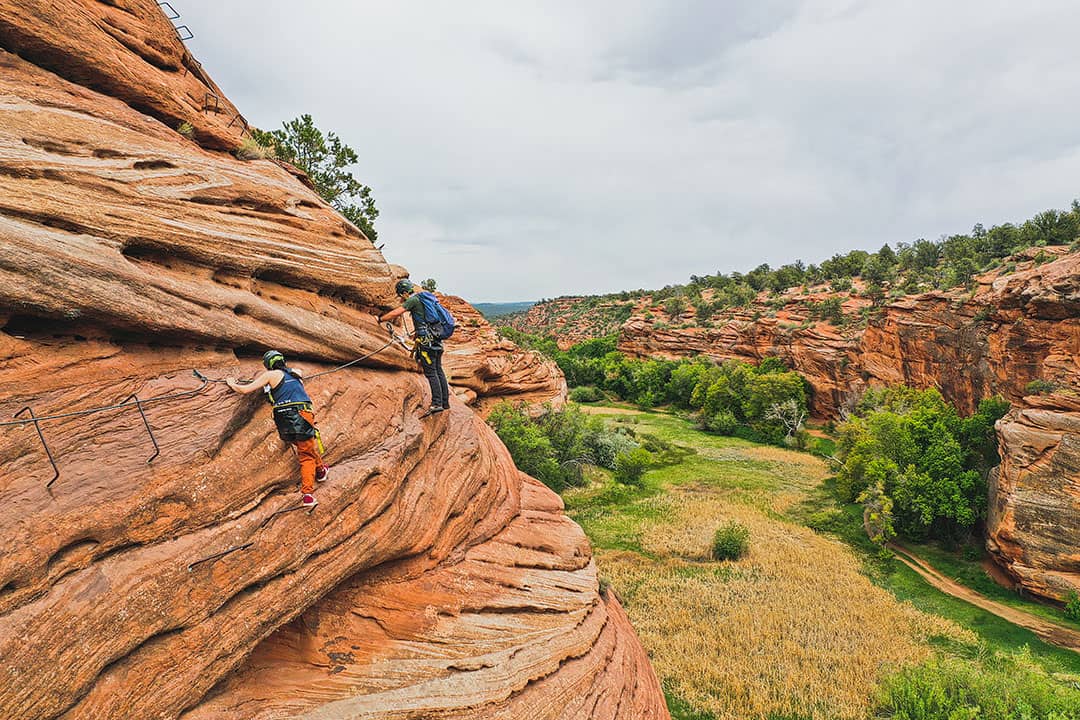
[189,393]
[118,406]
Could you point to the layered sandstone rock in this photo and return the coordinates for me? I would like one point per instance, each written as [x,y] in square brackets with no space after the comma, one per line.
[1016,328]
[486,368]
[822,352]
[130,255]
[1034,518]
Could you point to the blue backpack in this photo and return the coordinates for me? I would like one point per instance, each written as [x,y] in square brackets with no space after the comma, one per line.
[439,320]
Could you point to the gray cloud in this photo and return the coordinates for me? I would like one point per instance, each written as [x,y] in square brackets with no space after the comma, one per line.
[528,149]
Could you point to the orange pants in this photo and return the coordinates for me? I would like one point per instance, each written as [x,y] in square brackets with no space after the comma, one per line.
[307,451]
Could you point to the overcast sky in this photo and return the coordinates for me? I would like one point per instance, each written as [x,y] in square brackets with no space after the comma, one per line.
[519,150]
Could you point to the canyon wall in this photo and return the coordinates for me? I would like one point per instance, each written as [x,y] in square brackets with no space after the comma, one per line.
[433,579]
[1013,329]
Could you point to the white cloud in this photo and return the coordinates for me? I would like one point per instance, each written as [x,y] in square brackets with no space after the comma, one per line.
[528,149]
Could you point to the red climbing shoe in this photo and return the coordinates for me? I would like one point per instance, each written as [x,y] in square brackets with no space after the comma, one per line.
[309,501]
[321,473]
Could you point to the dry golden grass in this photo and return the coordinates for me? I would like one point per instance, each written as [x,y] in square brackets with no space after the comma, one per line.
[793,628]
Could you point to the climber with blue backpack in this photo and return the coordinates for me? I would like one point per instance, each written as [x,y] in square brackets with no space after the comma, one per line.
[433,323]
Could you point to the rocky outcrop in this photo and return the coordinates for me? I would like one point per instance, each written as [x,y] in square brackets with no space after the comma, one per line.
[822,352]
[1014,329]
[571,320]
[130,255]
[486,368]
[124,49]
[377,638]
[1034,517]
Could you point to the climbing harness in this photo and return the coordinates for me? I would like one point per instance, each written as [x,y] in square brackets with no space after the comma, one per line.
[138,403]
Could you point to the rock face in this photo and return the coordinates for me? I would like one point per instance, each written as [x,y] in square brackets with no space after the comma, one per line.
[487,368]
[821,351]
[1034,518]
[433,579]
[1016,328]
[570,320]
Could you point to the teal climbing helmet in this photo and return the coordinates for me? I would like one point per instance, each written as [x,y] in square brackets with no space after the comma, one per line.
[403,287]
[272,358]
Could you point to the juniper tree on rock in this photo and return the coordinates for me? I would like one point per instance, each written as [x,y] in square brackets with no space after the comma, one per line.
[325,159]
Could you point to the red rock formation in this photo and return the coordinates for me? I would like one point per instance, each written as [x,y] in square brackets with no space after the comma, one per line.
[570,320]
[126,49]
[1016,328]
[820,351]
[128,256]
[486,367]
[1034,519]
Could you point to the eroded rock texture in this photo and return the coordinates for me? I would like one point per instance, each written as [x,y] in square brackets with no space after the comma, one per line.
[487,368]
[1034,519]
[130,255]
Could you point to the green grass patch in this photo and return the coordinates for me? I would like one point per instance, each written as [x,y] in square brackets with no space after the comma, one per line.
[821,512]
[682,710]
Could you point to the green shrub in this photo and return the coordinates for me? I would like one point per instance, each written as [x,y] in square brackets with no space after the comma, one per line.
[730,541]
[186,129]
[586,394]
[1004,687]
[630,466]
[532,451]
[722,423]
[827,520]
[1039,387]
[252,150]
[605,446]
[1072,606]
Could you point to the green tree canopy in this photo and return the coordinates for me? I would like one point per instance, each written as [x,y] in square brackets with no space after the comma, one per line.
[325,159]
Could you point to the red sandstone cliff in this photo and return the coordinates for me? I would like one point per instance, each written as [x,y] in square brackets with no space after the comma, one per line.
[433,580]
[1013,329]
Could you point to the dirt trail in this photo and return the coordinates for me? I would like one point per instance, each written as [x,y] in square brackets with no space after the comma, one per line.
[1049,631]
[605,410]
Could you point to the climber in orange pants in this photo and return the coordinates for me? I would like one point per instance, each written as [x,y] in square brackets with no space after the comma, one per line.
[293,417]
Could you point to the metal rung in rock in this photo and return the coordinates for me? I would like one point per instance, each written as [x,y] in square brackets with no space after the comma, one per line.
[170,9]
[37,426]
[211,102]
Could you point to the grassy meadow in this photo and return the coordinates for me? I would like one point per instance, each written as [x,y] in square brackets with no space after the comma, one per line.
[807,624]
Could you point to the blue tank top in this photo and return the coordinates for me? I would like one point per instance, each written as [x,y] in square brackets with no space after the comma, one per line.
[289,391]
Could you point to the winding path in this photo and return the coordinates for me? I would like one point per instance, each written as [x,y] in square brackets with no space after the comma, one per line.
[1049,631]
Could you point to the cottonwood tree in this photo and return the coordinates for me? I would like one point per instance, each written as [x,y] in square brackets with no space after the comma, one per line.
[324,157]
[877,514]
[789,413]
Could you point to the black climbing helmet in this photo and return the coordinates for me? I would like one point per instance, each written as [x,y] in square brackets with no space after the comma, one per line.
[272,358]
[403,287]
